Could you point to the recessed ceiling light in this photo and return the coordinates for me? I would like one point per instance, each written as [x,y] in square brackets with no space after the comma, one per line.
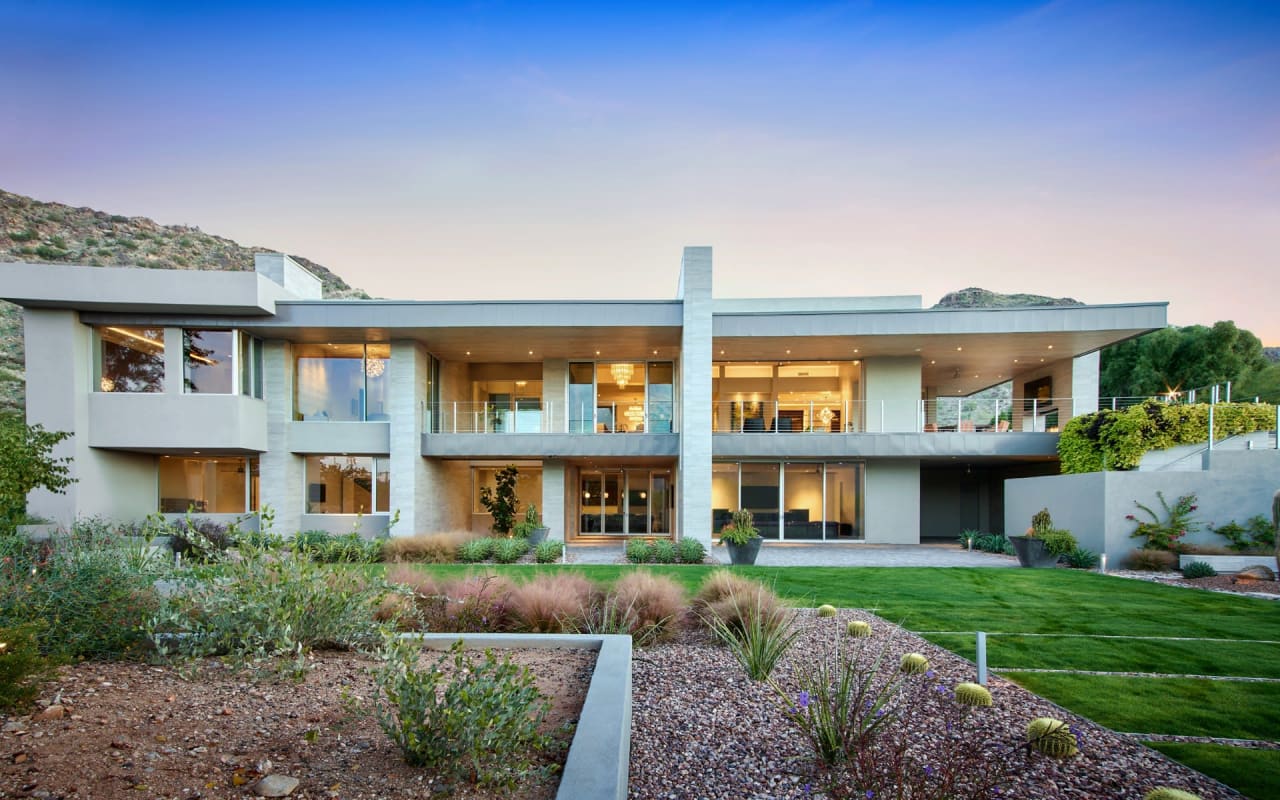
[788,352]
[530,352]
[1015,361]
[597,352]
[975,375]
[1050,347]
[855,349]
[468,352]
[932,361]
[655,352]
[1042,361]
[721,352]
[958,349]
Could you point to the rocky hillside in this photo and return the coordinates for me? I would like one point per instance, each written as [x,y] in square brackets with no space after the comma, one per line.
[984,298]
[1272,354]
[53,233]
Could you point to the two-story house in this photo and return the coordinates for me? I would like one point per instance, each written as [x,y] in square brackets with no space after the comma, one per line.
[837,419]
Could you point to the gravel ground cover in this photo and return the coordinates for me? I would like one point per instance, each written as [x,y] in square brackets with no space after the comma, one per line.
[122,730]
[701,729]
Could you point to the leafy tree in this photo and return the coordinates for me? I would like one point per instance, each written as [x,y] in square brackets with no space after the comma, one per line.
[1179,359]
[26,463]
[1263,384]
[501,501]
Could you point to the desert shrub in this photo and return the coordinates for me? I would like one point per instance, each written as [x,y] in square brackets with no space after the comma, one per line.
[432,548]
[477,721]
[1198,569]
[664,552]
[87,592]
[1152,560]
[1081,558]
[988,543]
[653,604]
[473,551]
[552,603]
[1255,534]
[691,551]
[863,721]
[548,552]
[752,622]
[826,610]
[972,694]
[22,666]
[345,548]
[638,551]
[722,583]
[261,606]
[477,603]
[858,629]
[914,664]
[509,551]
[1058,541]
[416,600]
[1166,533]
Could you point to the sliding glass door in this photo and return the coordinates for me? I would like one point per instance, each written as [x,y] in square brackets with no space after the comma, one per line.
[627,502]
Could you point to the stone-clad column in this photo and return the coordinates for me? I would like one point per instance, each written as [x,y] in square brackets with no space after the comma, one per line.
[280,471]
[410,481]
[694,483]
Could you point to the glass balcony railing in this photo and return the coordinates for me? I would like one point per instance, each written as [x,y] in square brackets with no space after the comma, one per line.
[941,415]
[545,417]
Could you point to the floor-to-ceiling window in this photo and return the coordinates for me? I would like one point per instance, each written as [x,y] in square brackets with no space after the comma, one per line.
[348,485]
[625,501]
[621,397]
[342,382]
[207,363]
[795,500]
[208,485]
[130,359]
[787,397]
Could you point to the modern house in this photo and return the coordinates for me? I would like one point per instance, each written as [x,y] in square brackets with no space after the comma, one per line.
[839,419]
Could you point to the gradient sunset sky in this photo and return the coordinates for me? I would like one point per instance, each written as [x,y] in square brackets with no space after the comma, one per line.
[1106,151]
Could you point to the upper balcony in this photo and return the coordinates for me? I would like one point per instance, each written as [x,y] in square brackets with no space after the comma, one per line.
[542,429]
[165,422]
[965,426]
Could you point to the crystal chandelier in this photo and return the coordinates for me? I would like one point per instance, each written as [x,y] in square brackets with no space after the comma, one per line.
[622,374]
[373,367]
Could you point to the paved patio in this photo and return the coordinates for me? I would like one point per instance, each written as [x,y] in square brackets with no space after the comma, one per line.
[804,554]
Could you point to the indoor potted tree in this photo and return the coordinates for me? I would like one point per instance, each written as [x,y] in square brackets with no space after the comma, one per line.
[1030,547]
[531,528]
[741,538]
[501,501]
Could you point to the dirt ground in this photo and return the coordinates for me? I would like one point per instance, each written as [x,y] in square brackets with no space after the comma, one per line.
[139,731]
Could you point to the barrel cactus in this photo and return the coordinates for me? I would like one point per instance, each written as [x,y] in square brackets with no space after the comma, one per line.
[971,694]
[915,664]
[1165,793]
[859,629]
[825,610]
[1051,737]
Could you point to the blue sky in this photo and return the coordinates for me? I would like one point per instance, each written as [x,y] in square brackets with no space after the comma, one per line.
[1106,151]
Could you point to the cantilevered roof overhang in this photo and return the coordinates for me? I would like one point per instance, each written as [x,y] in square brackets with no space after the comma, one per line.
[967,349]
[464,330]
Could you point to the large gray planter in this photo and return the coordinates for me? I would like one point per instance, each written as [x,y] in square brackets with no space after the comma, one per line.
[744,554]
[1032,552]
[538,536]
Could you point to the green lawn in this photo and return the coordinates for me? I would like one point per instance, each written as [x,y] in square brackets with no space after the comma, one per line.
[1070,602]
[1255,773]
[1249,659]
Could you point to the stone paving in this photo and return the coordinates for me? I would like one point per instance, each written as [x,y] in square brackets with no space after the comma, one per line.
[805,554]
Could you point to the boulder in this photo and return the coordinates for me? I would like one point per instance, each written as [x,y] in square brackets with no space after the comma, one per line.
[1258,572]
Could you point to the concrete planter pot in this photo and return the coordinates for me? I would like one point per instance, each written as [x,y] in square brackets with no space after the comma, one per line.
[1032,552]
[744,554]
[1228,563]
[538,535]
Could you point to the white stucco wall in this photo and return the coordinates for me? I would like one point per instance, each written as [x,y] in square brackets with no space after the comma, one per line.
[892,393]
[892,509]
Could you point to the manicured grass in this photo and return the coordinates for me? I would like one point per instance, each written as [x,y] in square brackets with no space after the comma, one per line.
[962,599]
[1248,659]
[1255,773]
[1165,705]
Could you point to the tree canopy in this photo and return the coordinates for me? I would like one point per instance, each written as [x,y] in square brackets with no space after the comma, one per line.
[27,462]
[1178,359]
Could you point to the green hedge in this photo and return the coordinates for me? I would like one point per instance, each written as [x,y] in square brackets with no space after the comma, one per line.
[1117,440]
